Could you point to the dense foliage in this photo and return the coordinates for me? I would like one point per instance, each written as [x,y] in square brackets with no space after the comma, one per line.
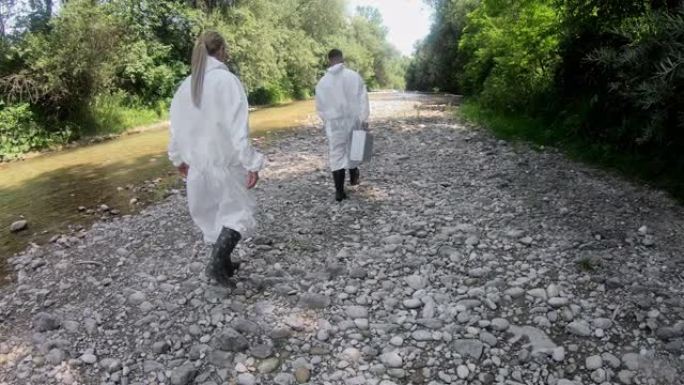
[607,71]
[86,66]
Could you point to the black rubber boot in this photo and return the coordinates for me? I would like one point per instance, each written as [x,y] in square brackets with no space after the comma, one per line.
[338,178]
[221,267]
[354,176]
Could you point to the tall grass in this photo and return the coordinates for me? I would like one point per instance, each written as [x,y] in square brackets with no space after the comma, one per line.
[116,113]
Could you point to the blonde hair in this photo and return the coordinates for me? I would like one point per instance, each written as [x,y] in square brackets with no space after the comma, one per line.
[209,44]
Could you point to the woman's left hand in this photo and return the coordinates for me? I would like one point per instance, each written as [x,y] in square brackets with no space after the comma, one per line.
[252,179]
[183,169]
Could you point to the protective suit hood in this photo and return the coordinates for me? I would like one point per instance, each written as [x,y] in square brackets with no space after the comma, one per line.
[213,63]
[336,69]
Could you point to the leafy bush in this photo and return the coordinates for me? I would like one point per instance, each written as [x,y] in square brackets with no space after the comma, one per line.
[66,67]
[118,111]
[271,94]
[512,52]
[145,71]
[645,76]
[20,132]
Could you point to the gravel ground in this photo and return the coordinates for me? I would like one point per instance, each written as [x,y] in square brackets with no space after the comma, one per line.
[460,259]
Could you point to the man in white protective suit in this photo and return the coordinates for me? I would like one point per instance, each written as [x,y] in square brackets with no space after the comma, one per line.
[210,145]
[342,103]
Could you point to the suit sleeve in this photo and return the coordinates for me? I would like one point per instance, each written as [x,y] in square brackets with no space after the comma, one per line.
[364,107]
[236,110]
[174,149]
[320,104]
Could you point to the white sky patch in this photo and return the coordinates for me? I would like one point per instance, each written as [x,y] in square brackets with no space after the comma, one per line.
[408,21]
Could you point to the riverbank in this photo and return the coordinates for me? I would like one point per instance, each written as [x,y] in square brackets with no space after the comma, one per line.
[641,166]
[460,259]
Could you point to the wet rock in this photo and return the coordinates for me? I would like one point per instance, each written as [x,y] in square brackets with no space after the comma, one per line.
[18,226]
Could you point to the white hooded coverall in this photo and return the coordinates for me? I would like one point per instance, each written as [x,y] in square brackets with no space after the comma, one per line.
[213,140]
[342,103]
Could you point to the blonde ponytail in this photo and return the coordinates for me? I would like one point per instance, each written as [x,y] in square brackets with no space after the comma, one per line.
[209,44]
[199,64]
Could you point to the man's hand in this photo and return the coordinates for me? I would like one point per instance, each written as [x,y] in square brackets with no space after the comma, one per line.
[183,169]
[252,179]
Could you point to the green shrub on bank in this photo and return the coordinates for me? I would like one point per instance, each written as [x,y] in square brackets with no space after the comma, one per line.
[21,132]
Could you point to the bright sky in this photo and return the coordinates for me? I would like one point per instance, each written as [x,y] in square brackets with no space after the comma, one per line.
[407,20]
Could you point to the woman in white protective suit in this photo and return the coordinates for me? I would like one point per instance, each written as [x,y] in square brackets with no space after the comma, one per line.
[342,104]
[210,145]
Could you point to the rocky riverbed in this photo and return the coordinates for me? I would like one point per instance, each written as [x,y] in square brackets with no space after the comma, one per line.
[459,260]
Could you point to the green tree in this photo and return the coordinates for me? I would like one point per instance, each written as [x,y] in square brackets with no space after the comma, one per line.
[66,67]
